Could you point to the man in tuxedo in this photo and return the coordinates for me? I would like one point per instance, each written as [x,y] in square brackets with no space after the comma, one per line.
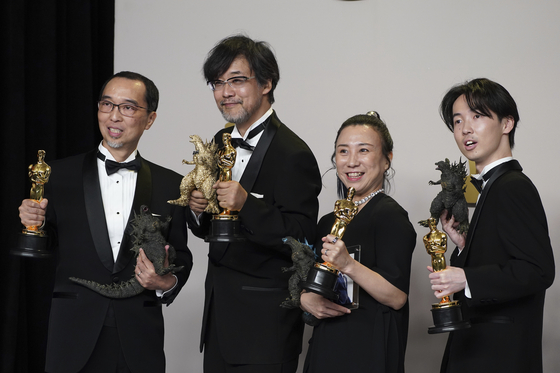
[90,201]
[275,184]
[502,267]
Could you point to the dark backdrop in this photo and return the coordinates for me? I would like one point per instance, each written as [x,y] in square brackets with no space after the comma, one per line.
[54,58]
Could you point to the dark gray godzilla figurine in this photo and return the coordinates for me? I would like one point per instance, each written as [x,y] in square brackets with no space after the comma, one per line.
[147,234]
[452,195]
[303,258]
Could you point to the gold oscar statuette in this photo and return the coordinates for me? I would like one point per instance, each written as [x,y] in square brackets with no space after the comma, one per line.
[446,314]
[33,239]
[225,226]
[322,277]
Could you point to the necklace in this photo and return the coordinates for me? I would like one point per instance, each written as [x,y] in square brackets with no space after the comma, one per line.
[367,198]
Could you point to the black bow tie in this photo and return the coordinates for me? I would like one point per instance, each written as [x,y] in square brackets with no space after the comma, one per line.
[238,142]
[111,166]
[478,183]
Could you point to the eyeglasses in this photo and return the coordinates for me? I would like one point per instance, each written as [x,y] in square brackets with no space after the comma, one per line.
[128,110]
[234,82]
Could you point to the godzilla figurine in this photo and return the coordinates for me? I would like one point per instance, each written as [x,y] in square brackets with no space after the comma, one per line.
[202,177]
[147,234]
[452,195]
[303,258]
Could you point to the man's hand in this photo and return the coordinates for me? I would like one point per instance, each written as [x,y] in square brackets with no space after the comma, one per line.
[197,202]
[447,282]
[320,307]
[32,213]
[449,226]
[231,195]
[147,276]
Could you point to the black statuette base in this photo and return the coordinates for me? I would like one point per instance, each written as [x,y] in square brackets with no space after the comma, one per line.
[321,281]
[225,228]
[31,246]
[447,318]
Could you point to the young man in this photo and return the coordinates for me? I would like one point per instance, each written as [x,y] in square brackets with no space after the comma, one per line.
[502,267]
[275,184]
[88,210]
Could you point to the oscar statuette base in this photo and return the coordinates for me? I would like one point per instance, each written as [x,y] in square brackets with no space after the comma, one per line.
[225,228]
[31,245]
[447,318]
[321,279]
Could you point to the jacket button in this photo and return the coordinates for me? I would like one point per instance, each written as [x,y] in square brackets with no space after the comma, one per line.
[116,279]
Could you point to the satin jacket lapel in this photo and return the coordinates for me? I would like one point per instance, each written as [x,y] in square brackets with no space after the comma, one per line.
[142,196]
[501,169]
[95,212]
[254,166]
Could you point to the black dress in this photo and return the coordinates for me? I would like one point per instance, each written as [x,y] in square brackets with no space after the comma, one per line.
[373,337]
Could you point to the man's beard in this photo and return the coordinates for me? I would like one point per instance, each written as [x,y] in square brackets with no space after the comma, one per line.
[243,115]
[240,118]
[114,145]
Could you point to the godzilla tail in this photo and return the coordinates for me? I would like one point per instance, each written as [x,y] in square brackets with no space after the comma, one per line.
[424,223]
[181,201]
[126,289]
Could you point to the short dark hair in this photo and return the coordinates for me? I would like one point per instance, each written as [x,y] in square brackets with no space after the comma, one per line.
[373,120]
[483,96]
[257,53]
[152,93]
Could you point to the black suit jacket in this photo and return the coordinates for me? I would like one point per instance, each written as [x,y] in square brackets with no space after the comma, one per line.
[76,222]
[509,264]
[244,283]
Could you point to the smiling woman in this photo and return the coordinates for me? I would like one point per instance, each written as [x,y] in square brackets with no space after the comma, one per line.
[359,160]
[363,138]
[382,233]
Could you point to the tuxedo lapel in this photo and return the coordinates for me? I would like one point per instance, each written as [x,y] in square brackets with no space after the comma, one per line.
[255,163]
[500,170]
[142,196]
[95,212]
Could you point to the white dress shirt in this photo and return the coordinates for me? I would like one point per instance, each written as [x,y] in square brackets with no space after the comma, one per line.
[244,155]
[117,192]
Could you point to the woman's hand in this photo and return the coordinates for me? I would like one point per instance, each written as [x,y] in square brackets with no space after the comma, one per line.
[334,251]
[372,282]
[320,307]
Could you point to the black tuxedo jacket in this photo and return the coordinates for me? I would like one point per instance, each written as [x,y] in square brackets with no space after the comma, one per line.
[76,222]
[509,264]
[244,283]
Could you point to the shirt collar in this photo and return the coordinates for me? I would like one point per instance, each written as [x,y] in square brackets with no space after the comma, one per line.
[490,166]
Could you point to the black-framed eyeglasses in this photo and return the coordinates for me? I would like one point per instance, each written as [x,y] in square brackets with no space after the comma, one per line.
[126,109]
[234,82]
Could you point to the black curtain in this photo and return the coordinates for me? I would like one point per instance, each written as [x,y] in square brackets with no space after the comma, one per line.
[54,58]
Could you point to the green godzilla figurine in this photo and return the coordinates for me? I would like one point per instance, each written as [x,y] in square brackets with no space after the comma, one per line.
[452,195]
[303,258]
[147,234]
